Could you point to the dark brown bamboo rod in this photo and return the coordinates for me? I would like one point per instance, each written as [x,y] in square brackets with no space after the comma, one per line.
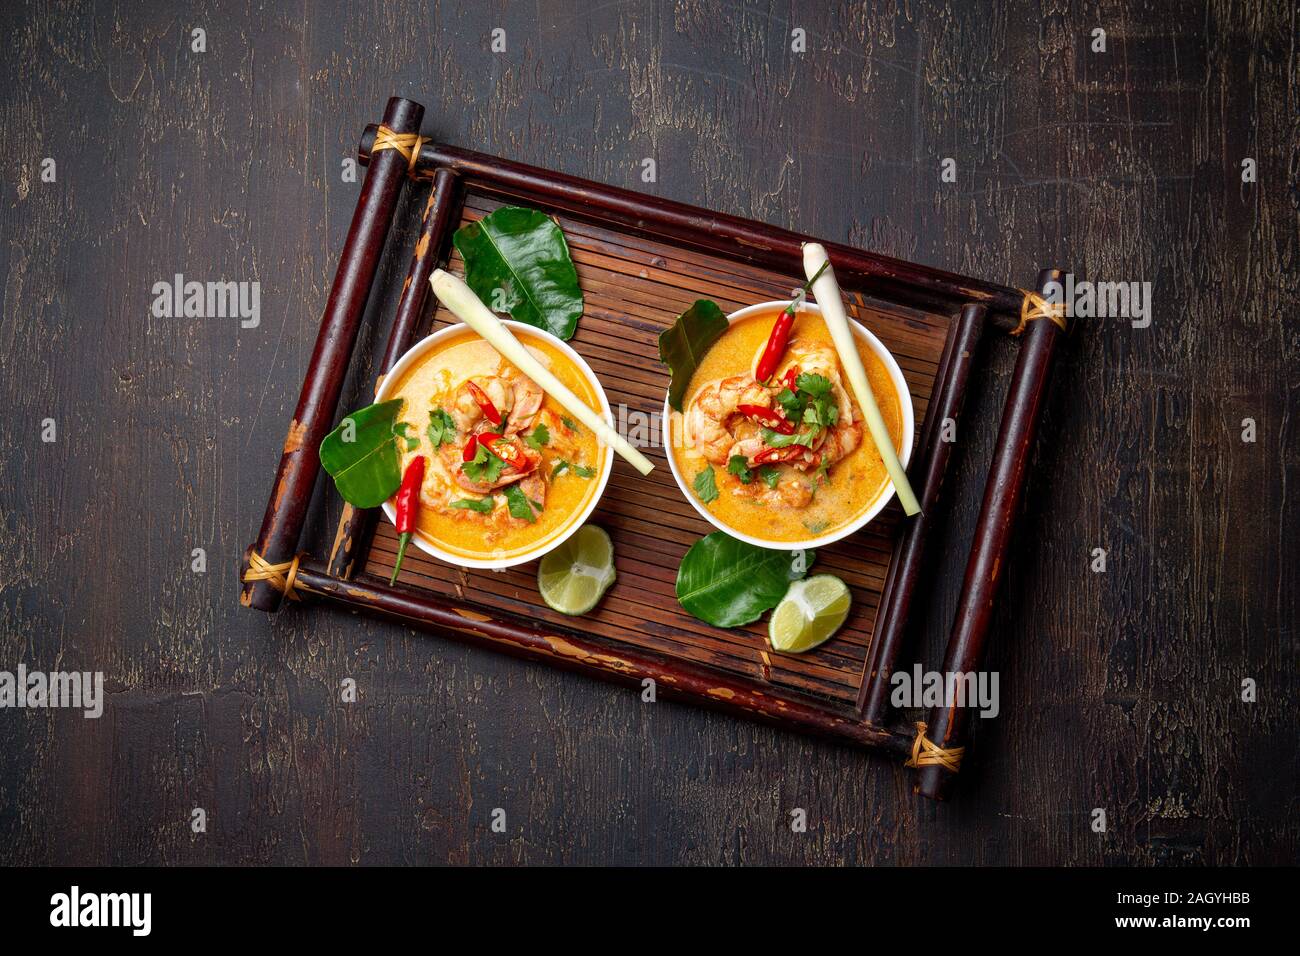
[731,236]
[947,725]
[286,510]
[673,678]
[905,569]
[444,200]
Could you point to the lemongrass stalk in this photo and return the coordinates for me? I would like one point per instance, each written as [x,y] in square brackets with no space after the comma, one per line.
[827,291]
[469,308]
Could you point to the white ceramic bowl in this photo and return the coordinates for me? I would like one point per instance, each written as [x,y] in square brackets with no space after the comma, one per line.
[905,455]
[525,334]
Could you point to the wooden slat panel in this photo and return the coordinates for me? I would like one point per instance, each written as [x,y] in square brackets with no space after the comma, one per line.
[634,288]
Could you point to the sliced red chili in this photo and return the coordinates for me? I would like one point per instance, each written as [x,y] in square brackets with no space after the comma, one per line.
[405,506]
[770,456]
[791,380]
[484,403]
[768,417]
[504,448]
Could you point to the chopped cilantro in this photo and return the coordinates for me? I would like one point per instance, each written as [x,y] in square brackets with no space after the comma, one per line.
[737,465]
[485,468]
[706,486]
[818,386]
[538,437]
[771,475]
[412,442]
[569,423]
[442,430]
[520,506]
[561,466]
[481,505]
[774,440]
[583,472]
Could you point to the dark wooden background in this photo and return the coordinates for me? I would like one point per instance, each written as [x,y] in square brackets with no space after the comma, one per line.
[1120,690]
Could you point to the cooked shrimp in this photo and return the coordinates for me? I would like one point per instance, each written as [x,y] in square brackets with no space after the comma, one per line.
[465,410]
[710,417]
[526,398]
[818,360]
[563,441]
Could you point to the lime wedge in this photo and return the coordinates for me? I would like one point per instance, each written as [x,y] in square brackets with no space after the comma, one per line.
[811,611]
[574,576]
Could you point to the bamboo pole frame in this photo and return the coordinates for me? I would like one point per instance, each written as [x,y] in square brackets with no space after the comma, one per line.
[975,304]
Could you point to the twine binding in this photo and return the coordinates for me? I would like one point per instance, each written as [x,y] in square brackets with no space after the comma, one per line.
[1034,307]
[926,753]
[283,577]
[407,145]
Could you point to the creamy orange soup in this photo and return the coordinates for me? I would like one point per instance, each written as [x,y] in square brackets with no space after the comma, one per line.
[562,479]
[782,502]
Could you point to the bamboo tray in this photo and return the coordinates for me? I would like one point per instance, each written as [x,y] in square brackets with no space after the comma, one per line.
[640,262]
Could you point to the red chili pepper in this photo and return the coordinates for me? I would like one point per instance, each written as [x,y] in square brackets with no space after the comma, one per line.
[408,502]
[766,416]
[775,348]
[484,403]
[791,380]
[772,455]
[780,336]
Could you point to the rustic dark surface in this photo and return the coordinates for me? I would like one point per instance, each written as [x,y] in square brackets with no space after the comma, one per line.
[1119,690]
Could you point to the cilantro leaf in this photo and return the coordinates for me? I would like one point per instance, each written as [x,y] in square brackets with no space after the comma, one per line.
[818,386]
[582,472]
[520,506]
[538,437]
[399,430]
[569,423]
[442,430]
[771,475]
[737,465]
[790,403]
[774,440]
[481,505]
[706,486]
[485,468]
[561,466]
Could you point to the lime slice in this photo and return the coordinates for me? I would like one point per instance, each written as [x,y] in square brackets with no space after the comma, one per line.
[574,576]
[811,611]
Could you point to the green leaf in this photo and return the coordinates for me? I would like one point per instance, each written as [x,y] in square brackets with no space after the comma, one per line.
[815,385]
[583,472]
[516,261]
[484,468]
[442,429]
[683,344]
[569,423]
[481,505]
[706,486]
[560,466]
[739,467]
[790,403]
[400,429]
[775,440]
[520,506]
[728,583]
[538,437]
[361,455]
[771,476]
